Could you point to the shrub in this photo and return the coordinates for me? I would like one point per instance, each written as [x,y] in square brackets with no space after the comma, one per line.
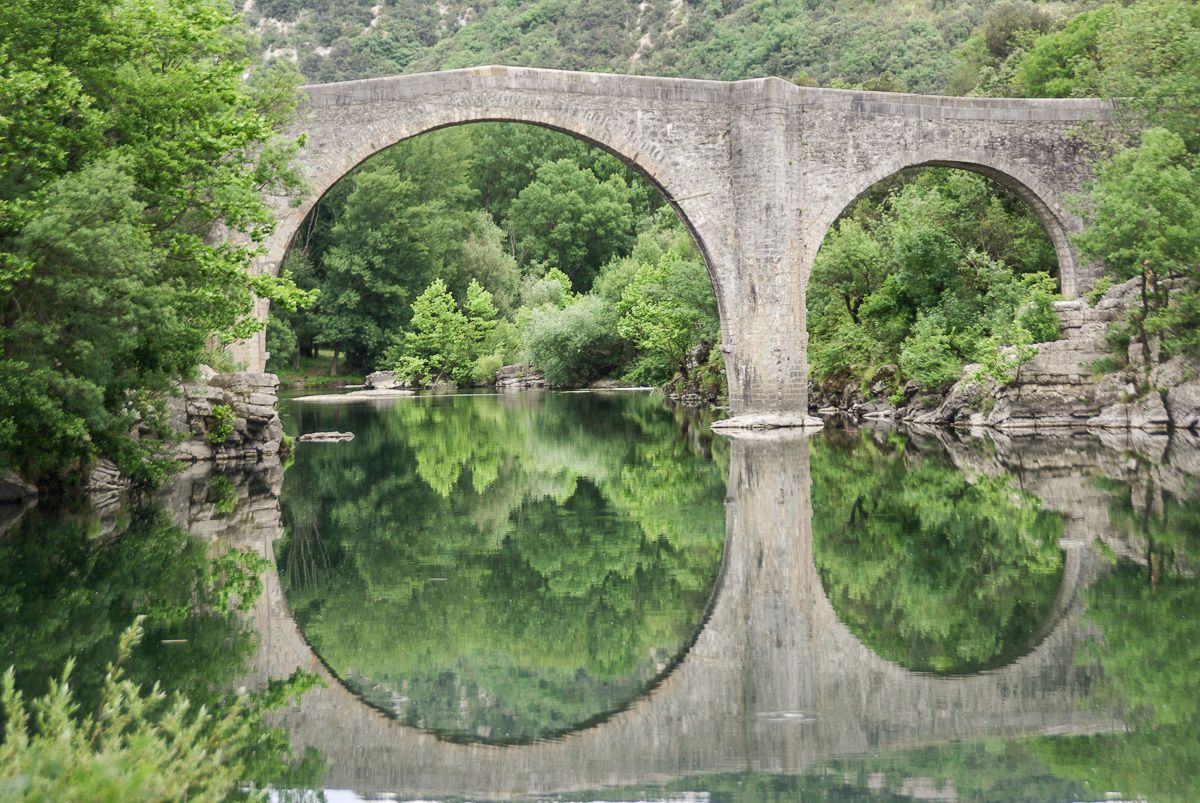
[223,423]
[1098,290]
[137,746]
[926,354]
[576,344]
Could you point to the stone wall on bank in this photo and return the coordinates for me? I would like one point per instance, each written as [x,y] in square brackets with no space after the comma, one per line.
[207,406]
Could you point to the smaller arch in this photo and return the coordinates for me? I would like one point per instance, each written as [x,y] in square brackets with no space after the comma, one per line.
[1046,204]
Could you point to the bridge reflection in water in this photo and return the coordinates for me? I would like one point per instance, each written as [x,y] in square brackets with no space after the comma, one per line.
[774,682]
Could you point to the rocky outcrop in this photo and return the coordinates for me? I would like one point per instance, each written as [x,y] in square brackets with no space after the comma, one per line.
[382,380]
[698,384]
[14,490]
[1062,387]
[230,417]
[325,437]
[519,377]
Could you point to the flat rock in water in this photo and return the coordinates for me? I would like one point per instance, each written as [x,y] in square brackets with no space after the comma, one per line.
[325,437]
[357,395]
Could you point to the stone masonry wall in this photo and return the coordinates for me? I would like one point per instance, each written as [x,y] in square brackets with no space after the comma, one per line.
[757,170]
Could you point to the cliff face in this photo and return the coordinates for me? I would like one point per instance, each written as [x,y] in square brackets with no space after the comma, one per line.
[228,417]
[1060,388]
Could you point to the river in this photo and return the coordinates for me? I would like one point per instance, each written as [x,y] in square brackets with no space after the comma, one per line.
[590,596]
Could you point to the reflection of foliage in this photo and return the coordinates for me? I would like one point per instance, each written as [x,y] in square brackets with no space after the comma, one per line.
[140,745]
[505,567]
[929,568]
[66,594]
[1149,649]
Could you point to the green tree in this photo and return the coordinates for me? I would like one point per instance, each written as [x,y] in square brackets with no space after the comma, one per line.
[665,311]
[126,132]
[576,344]
[1144,211]
[437,343]
[570,219]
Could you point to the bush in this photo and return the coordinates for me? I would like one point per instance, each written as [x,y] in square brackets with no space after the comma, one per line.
[926,354]
[574,345]
[223,423]
[137,746]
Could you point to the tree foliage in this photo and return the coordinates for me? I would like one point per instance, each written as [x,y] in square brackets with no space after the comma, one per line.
[930,271]
[126,132]
[548,555]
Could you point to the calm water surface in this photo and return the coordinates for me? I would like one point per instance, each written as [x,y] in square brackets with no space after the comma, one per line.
[591,597]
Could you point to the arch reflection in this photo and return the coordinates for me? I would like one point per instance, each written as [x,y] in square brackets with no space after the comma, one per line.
[932,568]
[773,682]
[502,570]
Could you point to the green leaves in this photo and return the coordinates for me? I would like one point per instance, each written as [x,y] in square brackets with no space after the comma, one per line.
[127,133]
[931,270]
[570,219]
[442,342]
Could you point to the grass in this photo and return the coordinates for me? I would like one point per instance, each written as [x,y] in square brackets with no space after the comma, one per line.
[313,373]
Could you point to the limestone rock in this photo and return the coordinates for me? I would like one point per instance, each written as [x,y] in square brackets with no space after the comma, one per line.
[519,377]
[325,437]
[381,380]
[14,490]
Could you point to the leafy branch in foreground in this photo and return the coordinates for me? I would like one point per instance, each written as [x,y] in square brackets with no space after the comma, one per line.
[136,746]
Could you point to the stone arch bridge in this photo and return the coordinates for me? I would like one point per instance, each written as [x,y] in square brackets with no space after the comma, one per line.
[757,169]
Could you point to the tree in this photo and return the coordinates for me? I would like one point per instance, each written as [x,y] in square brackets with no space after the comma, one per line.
[1144,210]
[576,344]
[437,343]
[443,342]
[126,133]
[665,311]
[571,220]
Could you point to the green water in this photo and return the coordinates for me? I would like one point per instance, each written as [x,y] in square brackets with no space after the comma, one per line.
[592,597]
[502,568]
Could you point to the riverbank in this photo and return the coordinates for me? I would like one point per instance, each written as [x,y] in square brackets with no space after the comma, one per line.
[1074,383]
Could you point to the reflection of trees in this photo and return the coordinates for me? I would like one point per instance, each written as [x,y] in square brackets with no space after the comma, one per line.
[931,569]
[62,594]
[506,568]
[1149,649]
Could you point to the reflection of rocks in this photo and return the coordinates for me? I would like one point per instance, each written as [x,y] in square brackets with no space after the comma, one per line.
[214,502]
[16,491]
[1068,472]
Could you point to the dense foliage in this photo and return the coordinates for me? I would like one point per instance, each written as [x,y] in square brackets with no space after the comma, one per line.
[166,726]
[127,131]
[503,569]
[1144,55]
[927,272]
[502,244]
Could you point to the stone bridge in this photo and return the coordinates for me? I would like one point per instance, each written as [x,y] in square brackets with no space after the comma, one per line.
[758,170]
[773,683]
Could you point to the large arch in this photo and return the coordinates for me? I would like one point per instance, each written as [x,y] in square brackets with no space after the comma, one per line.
[757,169]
